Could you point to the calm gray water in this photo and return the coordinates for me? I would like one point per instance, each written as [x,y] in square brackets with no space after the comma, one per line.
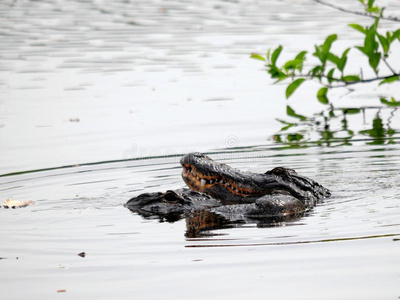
[347,247]
[100,98]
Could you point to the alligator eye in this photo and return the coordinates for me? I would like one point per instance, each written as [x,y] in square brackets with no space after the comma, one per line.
[171,196]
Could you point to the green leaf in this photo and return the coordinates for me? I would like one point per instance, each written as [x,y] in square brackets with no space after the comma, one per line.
[358,28]
[321,95]
[293,64]
[322,92]
[292,113]
[395,35]
[370,3]
[284,128]
[301,55]
[328,43]
[343,60]
[277,138]
[257,56]
[276,72]
[330,75]
[384,42]
[294,137]
[293,86]
[389,36]
[316,71]
[374,9]
[350,78]
[376,24]
[393,102]
[374,60]
[318,52]
[362,49]
[275,55]
[333,58]
[322,51]
[390,80]
[370,45]
[283,121]
[351,111]
[281,78]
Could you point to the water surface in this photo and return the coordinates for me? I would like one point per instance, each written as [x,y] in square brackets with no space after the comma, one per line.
[350,240]
[99,100]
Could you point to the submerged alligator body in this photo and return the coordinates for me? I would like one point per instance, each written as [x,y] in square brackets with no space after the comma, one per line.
[221,190]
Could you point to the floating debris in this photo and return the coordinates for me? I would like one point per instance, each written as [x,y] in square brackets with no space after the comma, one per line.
[82,254]
[61,291]
[11,203]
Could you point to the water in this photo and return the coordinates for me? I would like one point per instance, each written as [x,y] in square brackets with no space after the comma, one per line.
[350,240]
[99,100]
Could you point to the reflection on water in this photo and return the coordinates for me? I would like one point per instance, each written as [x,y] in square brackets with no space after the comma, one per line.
[334,127]
[205,223]
[202,223]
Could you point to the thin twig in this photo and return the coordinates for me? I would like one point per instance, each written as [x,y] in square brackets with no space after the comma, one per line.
[389,67]
[345,83]
[360,13]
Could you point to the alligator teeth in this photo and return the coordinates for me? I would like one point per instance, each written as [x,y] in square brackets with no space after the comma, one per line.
[204,182]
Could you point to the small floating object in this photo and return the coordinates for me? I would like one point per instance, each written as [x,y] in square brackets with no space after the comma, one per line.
[82,254]
[11,203]
[61,291]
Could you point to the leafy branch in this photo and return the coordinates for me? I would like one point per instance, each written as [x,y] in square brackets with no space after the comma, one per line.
[330,70]
[370,10]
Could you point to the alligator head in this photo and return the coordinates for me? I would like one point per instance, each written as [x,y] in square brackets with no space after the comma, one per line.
[171,205]
[232,186]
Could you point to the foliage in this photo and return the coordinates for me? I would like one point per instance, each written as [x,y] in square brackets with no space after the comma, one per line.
[330,71]
[333,127]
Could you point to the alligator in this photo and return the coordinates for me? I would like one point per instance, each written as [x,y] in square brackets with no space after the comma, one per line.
[220,190]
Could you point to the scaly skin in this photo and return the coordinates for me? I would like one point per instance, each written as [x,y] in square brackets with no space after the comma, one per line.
[235,195]
[232,186]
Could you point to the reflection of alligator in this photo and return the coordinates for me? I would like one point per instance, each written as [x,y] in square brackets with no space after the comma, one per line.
[230,193]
